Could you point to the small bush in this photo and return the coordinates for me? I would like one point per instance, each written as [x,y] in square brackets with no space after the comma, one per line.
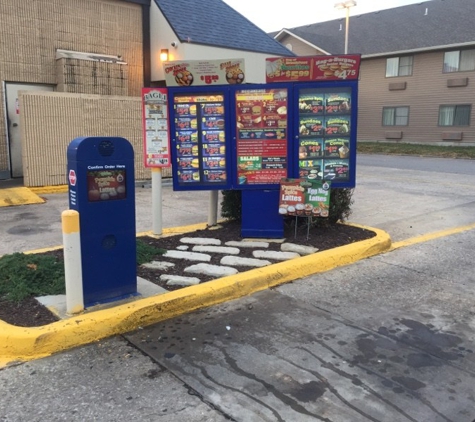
[341,200]
[231,205]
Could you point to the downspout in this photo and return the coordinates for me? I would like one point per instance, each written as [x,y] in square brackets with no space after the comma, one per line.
[147,64]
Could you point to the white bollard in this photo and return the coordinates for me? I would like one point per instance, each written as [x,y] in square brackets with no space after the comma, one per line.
[72,262]
[157,200]
[213,208]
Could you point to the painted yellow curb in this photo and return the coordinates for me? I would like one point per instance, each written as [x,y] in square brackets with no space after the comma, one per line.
[43,190]
[25,343]
[431,236]
[18,196]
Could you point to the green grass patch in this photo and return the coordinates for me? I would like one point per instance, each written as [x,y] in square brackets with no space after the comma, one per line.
[23,276]
[416,149]
[146,252]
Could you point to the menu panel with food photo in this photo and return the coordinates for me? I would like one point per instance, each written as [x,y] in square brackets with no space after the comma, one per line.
[213,136]
[311,126]
[212,122]
[188,162]
[189,176]
[337,125]
[187,136]
[262,156]
[311,169]
[186,109]
[337,147]
[200,148]
[186,123]
[214,176]
[338,103]
[310,148]
[187,149]
[212,163]
[313,103]
[336,170]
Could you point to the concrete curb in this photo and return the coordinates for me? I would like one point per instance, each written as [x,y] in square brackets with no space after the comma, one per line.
[23,343]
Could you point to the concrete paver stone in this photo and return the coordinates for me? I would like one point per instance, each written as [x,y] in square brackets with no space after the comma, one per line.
[211,270]
[190,256]
[178,280]
[247,244]
[216,249]
[200,241]
[158,265]
[279,256]
[245,262]
[300,249]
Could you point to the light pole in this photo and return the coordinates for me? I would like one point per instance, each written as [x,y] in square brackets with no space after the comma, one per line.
[346,5]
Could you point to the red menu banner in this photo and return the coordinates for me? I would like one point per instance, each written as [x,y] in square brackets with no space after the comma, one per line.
[316,68]
[262,136]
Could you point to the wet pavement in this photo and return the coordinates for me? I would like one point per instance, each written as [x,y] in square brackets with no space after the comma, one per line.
[388,338]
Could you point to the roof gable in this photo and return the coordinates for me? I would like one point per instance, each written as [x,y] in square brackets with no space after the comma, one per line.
[214,23]
[426,25]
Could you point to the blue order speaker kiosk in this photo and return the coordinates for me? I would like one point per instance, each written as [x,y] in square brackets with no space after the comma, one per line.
[102,189]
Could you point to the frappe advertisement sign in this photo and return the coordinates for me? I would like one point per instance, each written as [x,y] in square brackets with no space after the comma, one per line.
[304,198]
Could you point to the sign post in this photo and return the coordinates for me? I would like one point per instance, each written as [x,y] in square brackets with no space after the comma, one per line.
[156,145]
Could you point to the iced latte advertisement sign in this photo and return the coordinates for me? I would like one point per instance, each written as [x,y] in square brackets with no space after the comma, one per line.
[304,198]
[106,185]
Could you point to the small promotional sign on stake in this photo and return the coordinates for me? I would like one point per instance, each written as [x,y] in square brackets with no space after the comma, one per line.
[304,198]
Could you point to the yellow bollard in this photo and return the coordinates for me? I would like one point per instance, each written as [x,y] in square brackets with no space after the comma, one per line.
[72,262]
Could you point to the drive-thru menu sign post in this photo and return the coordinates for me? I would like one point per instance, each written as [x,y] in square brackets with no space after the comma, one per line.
[301,124]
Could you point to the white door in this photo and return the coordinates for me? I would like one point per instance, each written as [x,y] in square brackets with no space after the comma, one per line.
[13,122]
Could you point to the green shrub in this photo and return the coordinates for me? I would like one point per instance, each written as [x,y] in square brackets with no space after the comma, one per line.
[341,200]
[231,205]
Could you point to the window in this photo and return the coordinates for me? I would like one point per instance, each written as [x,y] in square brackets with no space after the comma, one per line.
[454,115]
[459,61]
[395,116]
[399,66]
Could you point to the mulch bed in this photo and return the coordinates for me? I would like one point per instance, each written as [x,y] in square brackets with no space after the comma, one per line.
[29,313]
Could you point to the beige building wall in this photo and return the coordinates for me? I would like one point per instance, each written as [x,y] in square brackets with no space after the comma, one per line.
[423,93]
[32,31]
[50,121]
[300,48]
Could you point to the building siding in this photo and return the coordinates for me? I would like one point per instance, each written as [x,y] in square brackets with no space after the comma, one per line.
[300,48]
[425,91]
[50,121]
[32,31]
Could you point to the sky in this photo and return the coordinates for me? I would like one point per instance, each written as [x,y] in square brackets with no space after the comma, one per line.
[273,15]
